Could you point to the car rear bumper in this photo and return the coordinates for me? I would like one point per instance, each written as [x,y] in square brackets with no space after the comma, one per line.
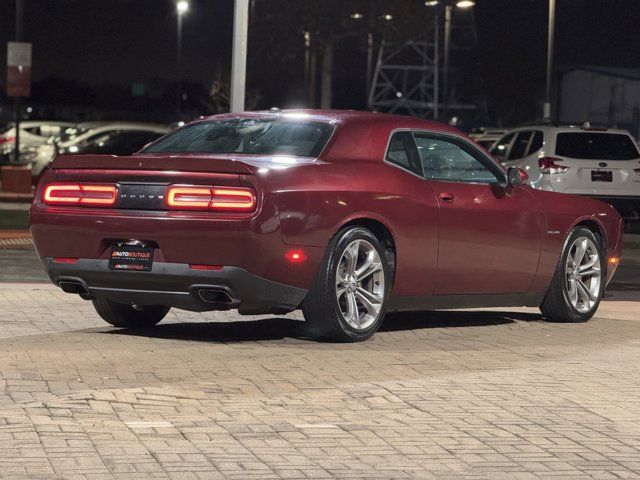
[176,285]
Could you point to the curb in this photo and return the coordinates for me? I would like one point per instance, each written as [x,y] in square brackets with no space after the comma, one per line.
[16,197]
[15,238]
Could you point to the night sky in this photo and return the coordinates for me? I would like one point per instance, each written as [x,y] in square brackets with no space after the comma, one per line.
[126,41]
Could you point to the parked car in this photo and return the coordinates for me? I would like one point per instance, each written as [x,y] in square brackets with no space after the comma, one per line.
[115,138]
[347,215]
[596,162]
[487,136]
[32,134]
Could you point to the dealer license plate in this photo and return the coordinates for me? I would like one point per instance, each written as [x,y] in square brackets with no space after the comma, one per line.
[126,256]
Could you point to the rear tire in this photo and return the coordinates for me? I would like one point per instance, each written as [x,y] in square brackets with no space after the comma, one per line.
[578,283]
[127,316]
[348,298]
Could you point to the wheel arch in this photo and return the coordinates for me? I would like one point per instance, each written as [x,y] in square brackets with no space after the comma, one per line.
[381,231]
[601,234]
[596,228]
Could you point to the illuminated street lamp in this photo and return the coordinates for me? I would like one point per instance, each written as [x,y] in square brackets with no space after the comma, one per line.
[182,6]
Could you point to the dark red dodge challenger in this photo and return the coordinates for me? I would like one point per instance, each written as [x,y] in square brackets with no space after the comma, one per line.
[347,215]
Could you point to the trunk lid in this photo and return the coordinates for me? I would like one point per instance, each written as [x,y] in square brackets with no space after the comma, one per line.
[157,162]
[143,181]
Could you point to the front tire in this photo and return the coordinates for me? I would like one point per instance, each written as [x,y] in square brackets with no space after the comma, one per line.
[348,298]
[578,283]
[128,316]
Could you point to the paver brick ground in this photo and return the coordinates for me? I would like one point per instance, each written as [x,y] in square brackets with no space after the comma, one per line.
[447,395]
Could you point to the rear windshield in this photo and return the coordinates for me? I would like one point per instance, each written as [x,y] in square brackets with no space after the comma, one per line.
[596,146]
[262,137]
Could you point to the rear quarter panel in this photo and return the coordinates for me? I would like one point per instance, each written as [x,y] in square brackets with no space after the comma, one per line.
[314,201]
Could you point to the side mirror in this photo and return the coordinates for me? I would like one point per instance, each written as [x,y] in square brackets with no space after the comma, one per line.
[516,176]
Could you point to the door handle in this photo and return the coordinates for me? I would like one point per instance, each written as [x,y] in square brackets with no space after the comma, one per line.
[447,196]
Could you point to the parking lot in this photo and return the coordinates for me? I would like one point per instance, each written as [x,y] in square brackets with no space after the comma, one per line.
[497,394]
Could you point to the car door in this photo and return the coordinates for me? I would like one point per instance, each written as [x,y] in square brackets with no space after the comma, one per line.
[489,235]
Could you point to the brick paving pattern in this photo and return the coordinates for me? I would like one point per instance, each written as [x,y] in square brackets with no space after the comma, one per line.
[447,395]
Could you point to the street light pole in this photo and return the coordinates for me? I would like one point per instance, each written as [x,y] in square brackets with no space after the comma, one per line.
[239,56]
[181,8]
[436,66]
[17,105]
[547,99]
[369,61]
[448,9]
[448,12]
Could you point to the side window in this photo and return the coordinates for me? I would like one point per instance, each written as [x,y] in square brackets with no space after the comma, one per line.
[501,148]
[519,147]
[402,152]
[536,142]
[452,160]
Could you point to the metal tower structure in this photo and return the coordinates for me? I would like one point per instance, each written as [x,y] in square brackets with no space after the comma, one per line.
[409,77]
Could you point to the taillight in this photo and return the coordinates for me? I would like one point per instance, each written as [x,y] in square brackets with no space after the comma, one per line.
[235,199]
[81,194]
[6,140]
[549,165]
[220,199]
[189,198]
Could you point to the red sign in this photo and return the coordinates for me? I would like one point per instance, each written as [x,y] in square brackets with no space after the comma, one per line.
[18,69]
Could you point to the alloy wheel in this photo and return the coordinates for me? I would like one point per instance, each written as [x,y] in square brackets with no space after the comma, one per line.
[583,274]
[360,284]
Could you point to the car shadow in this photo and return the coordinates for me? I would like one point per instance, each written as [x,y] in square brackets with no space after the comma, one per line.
[282,328]
[452,319]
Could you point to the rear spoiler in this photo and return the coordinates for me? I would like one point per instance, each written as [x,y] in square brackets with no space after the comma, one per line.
[184,163]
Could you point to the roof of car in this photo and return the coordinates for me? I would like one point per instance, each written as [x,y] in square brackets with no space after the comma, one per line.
[566,128]
[341,116]
[353,126]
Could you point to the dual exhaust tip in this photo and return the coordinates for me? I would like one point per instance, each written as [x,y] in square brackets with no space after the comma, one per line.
[211,295]
[71,286]
[208,295]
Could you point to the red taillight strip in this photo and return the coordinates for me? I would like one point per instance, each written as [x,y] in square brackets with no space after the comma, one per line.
[56,194]
[191,198]
[98,195]
[65,260]
[227,199]
[80,194]
[239,199]
[204,267]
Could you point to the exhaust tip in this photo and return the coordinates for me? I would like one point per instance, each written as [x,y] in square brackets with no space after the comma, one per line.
[73,287]
[210,295]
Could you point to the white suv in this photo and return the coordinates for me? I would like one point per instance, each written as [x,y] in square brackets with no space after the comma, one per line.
[596,162]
